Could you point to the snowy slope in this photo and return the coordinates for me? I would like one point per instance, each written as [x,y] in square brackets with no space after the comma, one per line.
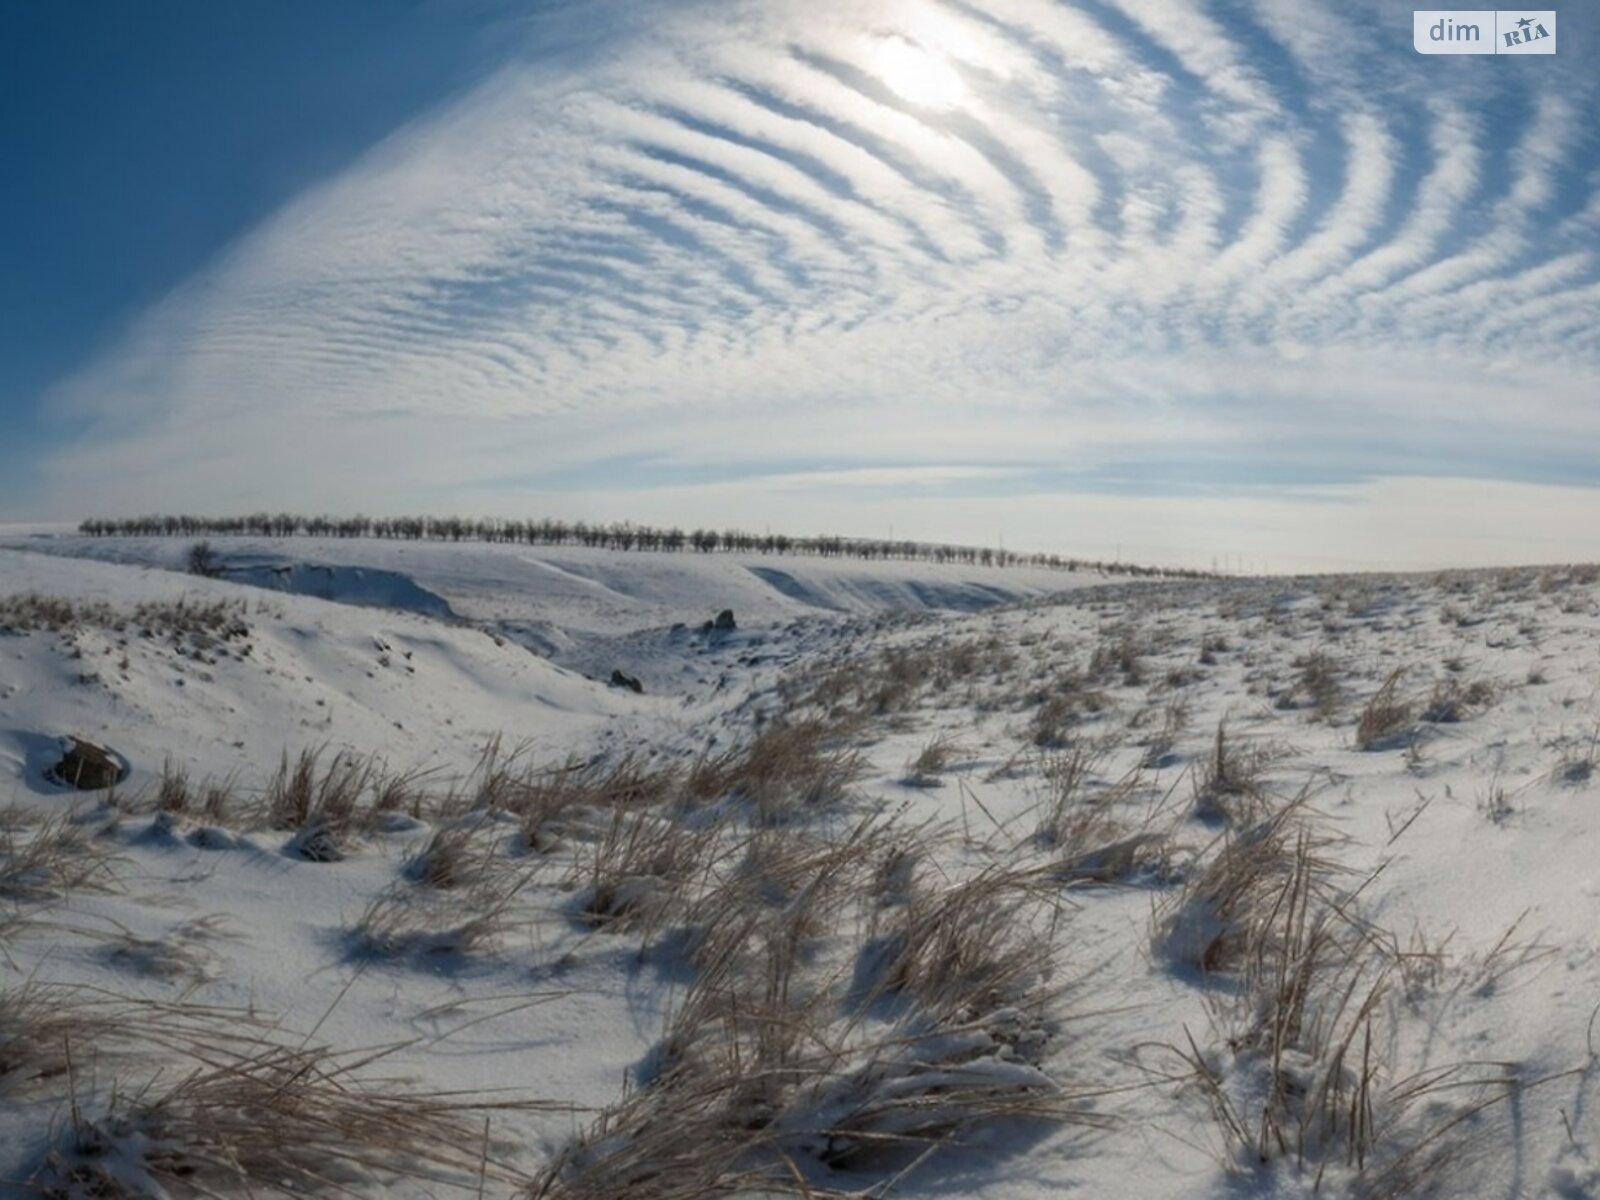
[574,588]
[417,692]
[1411,762]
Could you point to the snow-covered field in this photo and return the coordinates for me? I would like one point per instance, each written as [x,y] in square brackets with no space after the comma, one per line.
[921,881]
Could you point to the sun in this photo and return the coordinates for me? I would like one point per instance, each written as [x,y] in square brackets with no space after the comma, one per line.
[914,74]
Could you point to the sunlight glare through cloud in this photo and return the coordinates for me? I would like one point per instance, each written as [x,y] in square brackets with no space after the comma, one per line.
[914,74]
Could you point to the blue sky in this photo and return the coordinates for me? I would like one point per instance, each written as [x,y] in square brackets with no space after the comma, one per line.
[1245,280]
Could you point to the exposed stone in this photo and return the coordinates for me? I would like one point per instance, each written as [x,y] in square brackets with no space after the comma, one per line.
[620,679]
[88,767]
[724,620]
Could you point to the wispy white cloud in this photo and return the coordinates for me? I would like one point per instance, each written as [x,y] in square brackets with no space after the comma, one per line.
[1184,29]
[1442,199]
[1351,222]
[731,242]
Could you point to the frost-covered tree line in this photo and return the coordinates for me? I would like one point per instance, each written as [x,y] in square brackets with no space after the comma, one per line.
[617,535]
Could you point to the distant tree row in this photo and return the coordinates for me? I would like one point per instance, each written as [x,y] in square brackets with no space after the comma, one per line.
[618,535]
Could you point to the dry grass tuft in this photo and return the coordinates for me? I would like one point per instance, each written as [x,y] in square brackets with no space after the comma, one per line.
[39,1025]
[1453,701]
[296,794]
[1083,821]
[1121,660]
[323,806]
[47,1028]
[638,874]
[870,1113]
[454,855]
[411,921]
[1578,762]
[1317,682]
[790,771]
[1067,776]
[1223,916]
[173,792]
[1386,719]
[927,769]
[1159,746]
[891,681]
[455,898]
[772,1077]
[554,804]
[969,948]
[1111,853]
[271,1119]
[180,956]
[1062,704]
[50,860]
[1229,786]
[185,617]
[1310,1075]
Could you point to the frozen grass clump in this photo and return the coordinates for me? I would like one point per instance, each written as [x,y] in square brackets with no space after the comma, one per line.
[791,771]
[1161,744]
[1221,918]
[968,948]
[1120,659]
[271,1120]
[1067,776]
[1316,685]
[1578,760]
[40,1025]
[454,897]
[50,859]
[782,1072]
[1386,720]
[1229,787]
[411,920]
[890,682]
[321,809]
[458,853]
[927,769]
[553,805]
[1062,704]
[327,808]
[28,612]
[1307,997]
[1453,701]
[1117,855]
[636,876]
[181,955]
[47,1028]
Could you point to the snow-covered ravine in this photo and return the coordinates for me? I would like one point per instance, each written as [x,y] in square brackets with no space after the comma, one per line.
[579,589]
[1250,887]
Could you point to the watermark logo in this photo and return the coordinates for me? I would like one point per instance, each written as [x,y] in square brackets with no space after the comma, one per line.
[1484,31]
[1526,32]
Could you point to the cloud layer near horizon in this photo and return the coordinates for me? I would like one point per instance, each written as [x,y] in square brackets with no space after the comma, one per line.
[1154,252]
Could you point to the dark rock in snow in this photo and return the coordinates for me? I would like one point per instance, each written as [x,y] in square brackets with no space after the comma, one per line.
[621,679]
[88,767]
[724,620]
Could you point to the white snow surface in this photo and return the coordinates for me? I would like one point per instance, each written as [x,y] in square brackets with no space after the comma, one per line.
[580,589]
[1479,837]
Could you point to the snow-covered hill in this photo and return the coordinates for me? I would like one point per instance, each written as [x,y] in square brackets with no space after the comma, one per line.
[401,649]
[574,588]
[1255,888]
